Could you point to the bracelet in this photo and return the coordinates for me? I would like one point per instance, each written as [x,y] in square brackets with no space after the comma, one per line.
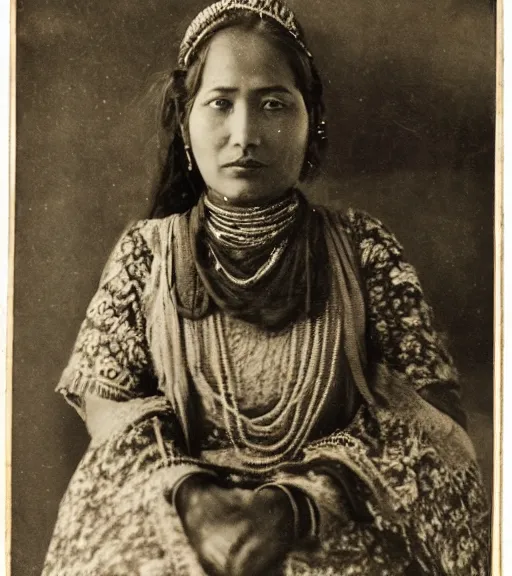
[180,482]
[313,521]
[293,505]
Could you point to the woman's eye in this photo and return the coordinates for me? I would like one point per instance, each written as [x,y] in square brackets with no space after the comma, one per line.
[220,104]
[273,105]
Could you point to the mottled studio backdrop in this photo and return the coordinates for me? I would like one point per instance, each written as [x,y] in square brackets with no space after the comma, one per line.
[410,94]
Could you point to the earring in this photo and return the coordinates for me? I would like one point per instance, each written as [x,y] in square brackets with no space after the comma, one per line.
[321,130]
[189,158]
[188,153]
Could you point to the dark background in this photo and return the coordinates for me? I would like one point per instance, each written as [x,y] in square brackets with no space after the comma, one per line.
[410,94]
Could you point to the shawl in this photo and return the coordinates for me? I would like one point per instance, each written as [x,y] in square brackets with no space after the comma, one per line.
[412,467]
[163,326]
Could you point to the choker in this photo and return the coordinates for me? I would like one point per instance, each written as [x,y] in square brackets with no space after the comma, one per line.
[246,244]
[263,264]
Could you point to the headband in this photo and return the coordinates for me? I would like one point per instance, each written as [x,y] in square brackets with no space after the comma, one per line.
[219,12]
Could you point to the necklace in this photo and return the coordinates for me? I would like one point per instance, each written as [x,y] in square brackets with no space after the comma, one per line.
[264,269]
[263,441]
[254,233]
[265,265]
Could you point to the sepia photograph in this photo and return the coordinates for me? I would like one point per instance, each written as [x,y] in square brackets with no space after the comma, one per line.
[253,318]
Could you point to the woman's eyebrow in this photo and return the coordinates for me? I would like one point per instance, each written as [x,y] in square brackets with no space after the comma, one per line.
[276,88]
[223,89]
[264,89]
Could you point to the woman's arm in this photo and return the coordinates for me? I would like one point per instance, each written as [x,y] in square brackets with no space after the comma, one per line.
[399,320]
[110,357]
[110,378]
[387,474]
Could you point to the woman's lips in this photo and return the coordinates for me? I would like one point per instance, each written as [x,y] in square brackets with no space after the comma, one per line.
[244,167]
[245,163]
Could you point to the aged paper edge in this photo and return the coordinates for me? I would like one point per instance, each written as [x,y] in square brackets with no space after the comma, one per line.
[497,501]
[7,180]
[7,183]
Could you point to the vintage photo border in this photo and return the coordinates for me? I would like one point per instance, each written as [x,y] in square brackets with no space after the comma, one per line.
[7,157]
[499,535]
[502,481]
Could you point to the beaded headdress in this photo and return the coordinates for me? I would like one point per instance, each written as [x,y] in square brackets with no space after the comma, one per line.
[220,14]
[216,14]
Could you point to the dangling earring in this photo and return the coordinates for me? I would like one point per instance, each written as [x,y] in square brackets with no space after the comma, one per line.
[186,145]
[188,154]
[321,130]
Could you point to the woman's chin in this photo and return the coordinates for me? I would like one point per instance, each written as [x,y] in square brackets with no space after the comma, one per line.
[245,196]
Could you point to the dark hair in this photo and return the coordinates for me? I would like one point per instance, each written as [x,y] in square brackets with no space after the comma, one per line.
[178,188]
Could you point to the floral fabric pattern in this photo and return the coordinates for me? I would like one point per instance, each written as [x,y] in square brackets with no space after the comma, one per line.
[434,522]
[400,320]
[102,526]
[110,356]
[427,513]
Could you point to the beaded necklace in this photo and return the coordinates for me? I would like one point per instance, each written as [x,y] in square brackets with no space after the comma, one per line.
[254,263]
[247,233]
[251,226]
[265,268]
[317,343]
[263,441]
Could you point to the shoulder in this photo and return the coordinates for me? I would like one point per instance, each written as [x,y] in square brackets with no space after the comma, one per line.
[134,244]
[371,239]
[136,248]
[143,237]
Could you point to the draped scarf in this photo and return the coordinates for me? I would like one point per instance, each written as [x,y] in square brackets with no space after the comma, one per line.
[177,289]
[296,286]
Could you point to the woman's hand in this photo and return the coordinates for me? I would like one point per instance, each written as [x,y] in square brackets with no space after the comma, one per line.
[214,519]
[262,549]
[236,532]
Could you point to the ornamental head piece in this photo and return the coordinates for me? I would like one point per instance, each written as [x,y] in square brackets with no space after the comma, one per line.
[220,13]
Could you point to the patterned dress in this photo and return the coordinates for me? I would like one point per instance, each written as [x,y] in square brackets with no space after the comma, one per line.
[412,465]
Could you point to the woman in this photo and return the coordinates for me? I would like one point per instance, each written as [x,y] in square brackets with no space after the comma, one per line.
[260,377]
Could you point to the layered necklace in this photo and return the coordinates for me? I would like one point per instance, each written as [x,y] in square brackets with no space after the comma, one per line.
[263,441]
[316,344]
[255,263]
[245,235]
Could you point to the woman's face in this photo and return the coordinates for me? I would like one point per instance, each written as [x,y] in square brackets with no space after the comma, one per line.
[248,126]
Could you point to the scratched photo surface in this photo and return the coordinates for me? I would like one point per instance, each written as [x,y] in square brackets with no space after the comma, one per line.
[409,88]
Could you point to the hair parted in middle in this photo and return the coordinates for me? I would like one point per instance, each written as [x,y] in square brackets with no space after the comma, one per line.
[180,184]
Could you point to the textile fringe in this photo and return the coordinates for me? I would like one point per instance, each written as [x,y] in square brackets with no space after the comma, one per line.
[353,304]
[126,414]
[449,439]
[73,385]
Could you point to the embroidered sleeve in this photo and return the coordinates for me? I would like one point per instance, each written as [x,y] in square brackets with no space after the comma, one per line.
[390,486]
[110,357]
[393,482]
[400,322]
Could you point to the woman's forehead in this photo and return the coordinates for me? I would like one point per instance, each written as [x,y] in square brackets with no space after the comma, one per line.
[237,56]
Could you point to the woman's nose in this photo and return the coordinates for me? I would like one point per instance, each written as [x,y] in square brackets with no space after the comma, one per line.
[245,127]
